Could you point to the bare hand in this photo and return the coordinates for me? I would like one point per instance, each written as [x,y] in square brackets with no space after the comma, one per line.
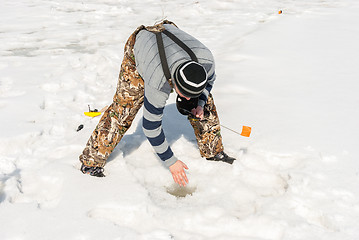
[198,112]
[178,173]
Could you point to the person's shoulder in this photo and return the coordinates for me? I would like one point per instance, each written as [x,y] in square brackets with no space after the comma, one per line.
[143,34]
[171,27]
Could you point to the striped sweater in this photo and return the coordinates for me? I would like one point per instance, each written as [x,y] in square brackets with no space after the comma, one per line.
[157,89]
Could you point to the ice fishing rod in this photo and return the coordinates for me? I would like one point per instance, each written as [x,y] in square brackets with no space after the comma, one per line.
[246,131]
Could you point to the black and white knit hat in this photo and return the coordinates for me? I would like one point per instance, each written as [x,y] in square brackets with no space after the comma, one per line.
[190,78]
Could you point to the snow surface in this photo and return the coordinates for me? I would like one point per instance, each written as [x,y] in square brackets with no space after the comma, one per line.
[292,77]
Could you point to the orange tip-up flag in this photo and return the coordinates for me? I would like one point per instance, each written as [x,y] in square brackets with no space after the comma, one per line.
[246,131]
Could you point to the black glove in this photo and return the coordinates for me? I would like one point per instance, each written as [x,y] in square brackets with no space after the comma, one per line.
[185,106]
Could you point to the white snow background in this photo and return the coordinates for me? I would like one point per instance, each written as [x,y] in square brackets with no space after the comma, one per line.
[293,77]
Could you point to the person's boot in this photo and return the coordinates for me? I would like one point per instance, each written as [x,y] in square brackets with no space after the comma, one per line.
[93,171]
[223,157]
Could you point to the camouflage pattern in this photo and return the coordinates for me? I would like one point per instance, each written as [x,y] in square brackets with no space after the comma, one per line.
[128,99]
[208,130]
[118,117]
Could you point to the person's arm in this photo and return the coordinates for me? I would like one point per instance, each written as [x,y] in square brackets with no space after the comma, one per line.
[152,127]
[203,97]
[198,112]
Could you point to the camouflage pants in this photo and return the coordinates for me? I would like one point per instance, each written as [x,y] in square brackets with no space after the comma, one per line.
[128,99]
[208,130]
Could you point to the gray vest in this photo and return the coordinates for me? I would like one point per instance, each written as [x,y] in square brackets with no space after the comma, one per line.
[148,62]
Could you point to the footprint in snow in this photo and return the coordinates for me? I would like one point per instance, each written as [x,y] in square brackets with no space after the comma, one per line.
[45,190]
[6,88]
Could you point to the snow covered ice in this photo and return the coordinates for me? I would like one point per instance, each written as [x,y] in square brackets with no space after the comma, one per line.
[292,77]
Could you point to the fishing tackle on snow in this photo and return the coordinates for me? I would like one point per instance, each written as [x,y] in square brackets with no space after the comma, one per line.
[185,106]
[81,126]
[92,113]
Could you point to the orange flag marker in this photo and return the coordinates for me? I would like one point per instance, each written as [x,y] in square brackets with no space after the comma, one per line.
[246,131]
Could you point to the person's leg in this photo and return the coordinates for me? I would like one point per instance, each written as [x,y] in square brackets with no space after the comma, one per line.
[208,131]
[119,115]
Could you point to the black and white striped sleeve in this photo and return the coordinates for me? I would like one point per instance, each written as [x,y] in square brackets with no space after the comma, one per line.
[152,127]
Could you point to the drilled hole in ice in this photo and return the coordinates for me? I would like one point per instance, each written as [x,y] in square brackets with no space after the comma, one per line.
[180,192]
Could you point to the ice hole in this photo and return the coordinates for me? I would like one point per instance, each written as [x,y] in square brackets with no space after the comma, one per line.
[179,191]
